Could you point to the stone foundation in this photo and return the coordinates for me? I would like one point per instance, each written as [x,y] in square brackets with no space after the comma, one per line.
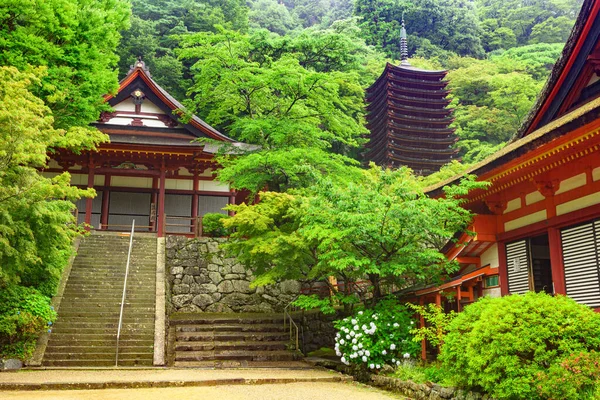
[317,329]
[423,391]
[202,278]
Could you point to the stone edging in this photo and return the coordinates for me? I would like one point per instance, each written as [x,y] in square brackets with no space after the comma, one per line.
[162,384]
[159,317]
[42,342]
[421,391]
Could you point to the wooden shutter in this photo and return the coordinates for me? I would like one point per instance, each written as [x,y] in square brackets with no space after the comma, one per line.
[517,261]
[580,245]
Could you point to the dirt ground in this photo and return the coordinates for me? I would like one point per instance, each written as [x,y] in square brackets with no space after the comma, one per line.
[291,391]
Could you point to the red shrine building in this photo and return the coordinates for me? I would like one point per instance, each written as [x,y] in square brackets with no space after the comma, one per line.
[151,171]
[409,118]
[537,226]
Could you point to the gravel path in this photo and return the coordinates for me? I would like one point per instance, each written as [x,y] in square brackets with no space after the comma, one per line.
[291,391]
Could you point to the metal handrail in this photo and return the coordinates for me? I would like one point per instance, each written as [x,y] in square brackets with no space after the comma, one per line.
[293,327]
[124,291]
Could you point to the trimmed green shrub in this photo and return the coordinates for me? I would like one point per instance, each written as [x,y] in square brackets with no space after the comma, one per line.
[377,336]
[24,314]
[212,225]
[516,347]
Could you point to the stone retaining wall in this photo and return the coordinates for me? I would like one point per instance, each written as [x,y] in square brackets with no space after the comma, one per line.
[317,329]
[202,278]
[421,391]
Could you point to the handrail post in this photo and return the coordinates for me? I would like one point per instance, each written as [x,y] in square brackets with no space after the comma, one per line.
[124,291]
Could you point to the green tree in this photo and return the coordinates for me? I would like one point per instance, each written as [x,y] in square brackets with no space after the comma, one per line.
[272,15]
[75,41]
[155,26]
[380,226]
[534,21]
[36,223]
[261,92]
[447,25]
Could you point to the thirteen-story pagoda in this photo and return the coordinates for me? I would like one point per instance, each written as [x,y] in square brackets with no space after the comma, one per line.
[409,118]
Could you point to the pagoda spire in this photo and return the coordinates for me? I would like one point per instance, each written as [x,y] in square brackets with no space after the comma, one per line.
[403,45]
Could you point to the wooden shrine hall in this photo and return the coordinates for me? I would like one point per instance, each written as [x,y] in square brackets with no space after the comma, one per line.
[151,170]
[409,118]
[537,225]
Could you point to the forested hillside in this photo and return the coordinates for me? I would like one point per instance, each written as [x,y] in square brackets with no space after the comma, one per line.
[498,53]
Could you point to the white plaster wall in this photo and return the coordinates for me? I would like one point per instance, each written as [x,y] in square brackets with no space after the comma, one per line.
[179,184]
[213,186]
[533,197]
[512,205]
[596,174]
[572,183]
[492,292]
[125,105]
[490,257]
[129,181]
[150,107]
[577,204]
[526,220]
[82,179]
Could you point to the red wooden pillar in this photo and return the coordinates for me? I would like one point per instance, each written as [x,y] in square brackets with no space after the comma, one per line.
[458,298]
[556,261]
[89,202]
[105,202]
[502,269]
[161,201]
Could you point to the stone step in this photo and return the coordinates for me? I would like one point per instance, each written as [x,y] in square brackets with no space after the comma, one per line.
[242,364]
[71,328]
[231,328]
[216,318]
[148,341]
[102,314]
[98,336]
[110,288]
[107,349]
[236,345]
[130,298]
[230,336]
[108,362]
[235,355]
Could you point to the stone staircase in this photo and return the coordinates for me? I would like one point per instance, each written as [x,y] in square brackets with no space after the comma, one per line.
[229,340]
[86,328]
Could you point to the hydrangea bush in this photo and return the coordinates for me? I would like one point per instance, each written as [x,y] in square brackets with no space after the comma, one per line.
[378,336]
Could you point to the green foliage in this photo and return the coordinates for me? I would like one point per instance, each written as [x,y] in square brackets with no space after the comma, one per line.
[449,25]
[535,21]
[291,98]
[272,15]
[155,26]
[381,226]
[517,346]
[437,323]
[376,337]
[75,41]
[36,224]
[24,313]
[212,225]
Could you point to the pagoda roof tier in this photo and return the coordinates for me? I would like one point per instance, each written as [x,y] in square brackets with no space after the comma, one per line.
[404,81]
[409,138]
[427,112]
[409,72]
[417,161]
[421,149]
[413,119]
[405,128]
[411,100]
[395,89]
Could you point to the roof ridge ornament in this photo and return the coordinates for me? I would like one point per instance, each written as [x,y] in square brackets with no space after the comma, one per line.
[139,64]
[403,45]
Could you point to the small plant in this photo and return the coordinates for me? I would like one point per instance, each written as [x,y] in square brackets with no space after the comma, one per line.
[212,225]
[437,323]
[531,346]
[24,314]
[377,337]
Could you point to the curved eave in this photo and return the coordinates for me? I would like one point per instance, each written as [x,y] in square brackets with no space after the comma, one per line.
[408,72]
[407,128]
[429,103]
[423,150]
[171,102]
